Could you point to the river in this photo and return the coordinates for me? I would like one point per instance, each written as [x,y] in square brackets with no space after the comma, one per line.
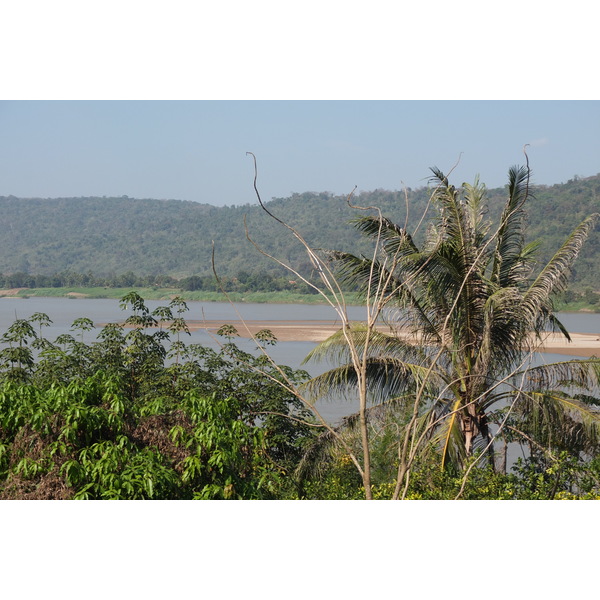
[63,311]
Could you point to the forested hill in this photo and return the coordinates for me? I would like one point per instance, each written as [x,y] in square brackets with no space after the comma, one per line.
[111,236]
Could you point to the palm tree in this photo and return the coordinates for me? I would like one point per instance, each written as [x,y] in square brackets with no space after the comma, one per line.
[464,316]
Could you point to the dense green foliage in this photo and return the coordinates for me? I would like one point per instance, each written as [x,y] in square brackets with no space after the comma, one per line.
[564,477]
[138,414]
[127,238]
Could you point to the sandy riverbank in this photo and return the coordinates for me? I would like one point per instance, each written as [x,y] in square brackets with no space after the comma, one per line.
[284,331]
[582,344]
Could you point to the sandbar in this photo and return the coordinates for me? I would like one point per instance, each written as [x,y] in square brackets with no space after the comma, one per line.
[581,344]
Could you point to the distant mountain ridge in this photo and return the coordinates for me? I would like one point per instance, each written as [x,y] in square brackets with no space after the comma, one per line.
[111,236]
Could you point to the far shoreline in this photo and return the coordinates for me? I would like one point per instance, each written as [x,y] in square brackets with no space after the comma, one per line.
[167,294]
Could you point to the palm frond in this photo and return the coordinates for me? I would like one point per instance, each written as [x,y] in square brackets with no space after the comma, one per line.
[366,274]
[449,437]
[396,239]
[386,378]
[400,287]
[560,419]
[581,374]
[501,331]
[475,197]
[556,325]
[453,223]
[336,348]
[554,276]
[508,254]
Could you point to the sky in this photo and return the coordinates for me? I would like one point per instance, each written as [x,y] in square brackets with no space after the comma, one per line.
[196,150]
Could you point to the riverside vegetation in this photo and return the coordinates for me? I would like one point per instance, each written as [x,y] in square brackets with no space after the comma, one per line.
[139,413]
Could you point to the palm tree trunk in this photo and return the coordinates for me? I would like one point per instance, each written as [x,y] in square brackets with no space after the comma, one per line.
[503,460]
[470,425]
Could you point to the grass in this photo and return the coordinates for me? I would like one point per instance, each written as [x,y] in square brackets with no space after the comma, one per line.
[96,292]
[283,297]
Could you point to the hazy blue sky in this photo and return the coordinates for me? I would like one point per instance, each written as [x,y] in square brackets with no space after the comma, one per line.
[196,150]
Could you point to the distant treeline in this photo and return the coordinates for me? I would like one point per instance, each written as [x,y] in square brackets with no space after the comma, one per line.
[71,279]
[241,282]
[246,282]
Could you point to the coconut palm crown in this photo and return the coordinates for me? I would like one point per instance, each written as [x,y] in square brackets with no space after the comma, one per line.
[465,313]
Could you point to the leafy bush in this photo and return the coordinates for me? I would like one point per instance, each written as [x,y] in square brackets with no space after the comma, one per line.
[138,414]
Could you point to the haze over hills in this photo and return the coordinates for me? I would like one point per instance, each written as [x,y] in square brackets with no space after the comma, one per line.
[111,236]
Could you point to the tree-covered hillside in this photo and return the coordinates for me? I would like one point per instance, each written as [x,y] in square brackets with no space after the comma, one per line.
[111,236]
